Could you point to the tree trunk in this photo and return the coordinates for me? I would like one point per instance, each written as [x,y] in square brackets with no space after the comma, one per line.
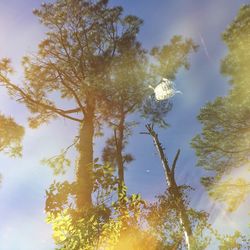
[181,209]
[174,189]
[85,162]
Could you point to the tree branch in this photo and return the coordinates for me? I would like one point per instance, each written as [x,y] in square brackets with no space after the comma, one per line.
[29,99]
[70,89]
[174,163]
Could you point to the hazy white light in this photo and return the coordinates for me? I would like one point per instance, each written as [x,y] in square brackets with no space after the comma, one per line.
[164,90]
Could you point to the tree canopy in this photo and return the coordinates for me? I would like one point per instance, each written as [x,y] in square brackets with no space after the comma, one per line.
[81,65]
[224,143]
[92,70]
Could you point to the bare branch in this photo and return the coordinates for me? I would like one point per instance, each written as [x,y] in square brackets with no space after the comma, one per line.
[174,162]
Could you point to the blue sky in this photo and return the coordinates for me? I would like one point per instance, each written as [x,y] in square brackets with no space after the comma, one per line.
[22,194]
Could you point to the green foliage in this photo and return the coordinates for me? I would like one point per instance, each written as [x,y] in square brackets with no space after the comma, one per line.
[57,196]
[235,64]
[233,242]
[87,44]
[58,163]
[11,135]
[126,222]
[168,60]
[171,57]
[109,153]
[98,227]
[231,191]
[88,232]
[92,60]
[86,228]
[224,143]
[92,232]
[155,111]
[105,182]
[5,65]
[164,223]
[129,208]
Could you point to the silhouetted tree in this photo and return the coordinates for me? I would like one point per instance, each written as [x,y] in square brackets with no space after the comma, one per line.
[132,74]
[173,188]
[73,64]
[224,144]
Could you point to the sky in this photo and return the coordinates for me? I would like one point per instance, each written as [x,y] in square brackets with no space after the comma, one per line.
[22,194]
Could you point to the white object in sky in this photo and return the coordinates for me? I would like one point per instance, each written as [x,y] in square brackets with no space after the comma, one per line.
[164,90]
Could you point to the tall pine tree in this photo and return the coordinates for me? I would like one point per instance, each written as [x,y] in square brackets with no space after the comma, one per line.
[224,143]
